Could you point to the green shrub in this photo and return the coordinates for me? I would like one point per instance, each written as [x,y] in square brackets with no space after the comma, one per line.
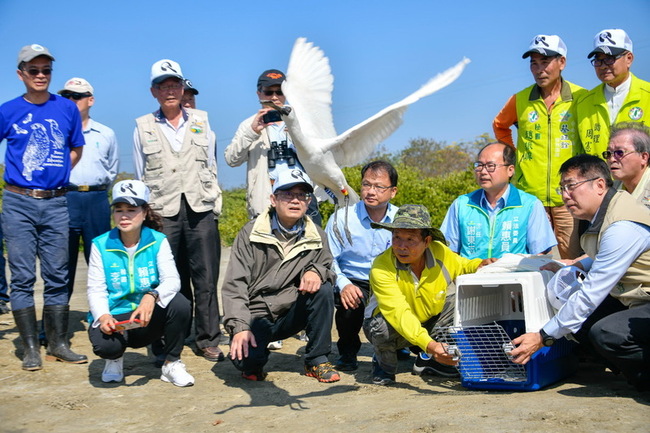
[436,193]
[234,214]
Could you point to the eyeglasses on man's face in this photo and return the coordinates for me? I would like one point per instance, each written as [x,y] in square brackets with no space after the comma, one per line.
[490,166]
[368,186]
[618,154]
[290,196]
[607,60]
[167,87]
[570,187]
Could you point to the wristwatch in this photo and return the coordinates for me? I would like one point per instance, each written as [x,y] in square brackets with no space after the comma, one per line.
[153,293]
[547,340]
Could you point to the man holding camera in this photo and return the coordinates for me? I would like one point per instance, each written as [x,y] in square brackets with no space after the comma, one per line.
[263,142]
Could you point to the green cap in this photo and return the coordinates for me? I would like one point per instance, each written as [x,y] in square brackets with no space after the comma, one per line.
[412,216]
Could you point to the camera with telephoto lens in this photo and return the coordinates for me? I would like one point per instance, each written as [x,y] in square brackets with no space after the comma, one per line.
[272,116]
[281,152]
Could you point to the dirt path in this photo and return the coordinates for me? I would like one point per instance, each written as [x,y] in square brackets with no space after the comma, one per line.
[72,398]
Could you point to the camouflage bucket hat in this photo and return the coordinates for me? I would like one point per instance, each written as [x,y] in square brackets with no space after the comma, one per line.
[412,216]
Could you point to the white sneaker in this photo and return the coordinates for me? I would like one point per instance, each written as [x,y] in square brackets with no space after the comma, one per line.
[113,370]
[174,372]
[274,345]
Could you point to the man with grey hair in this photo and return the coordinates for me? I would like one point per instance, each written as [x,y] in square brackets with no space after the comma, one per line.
[627,155]
[175,157]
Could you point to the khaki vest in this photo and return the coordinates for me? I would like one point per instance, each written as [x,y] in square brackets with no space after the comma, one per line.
[169,174]
[634,287]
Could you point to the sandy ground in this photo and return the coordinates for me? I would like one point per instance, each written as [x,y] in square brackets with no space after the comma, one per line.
[72,398]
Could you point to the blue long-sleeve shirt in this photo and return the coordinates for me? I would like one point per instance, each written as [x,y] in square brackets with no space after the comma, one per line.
[354,261]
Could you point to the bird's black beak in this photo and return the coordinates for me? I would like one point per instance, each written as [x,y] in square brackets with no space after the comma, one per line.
[270,104]
[284,110]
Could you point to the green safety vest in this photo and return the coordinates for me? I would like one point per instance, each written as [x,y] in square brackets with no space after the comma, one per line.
[545,140]
[593,114]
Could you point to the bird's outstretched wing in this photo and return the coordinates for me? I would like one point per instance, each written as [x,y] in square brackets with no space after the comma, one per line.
[308,88]
[358,142]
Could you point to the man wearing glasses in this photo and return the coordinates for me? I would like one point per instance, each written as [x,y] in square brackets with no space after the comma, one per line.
[547,133]
[610,310]
[175,156]
[263,142]
[497,218]
[90,214]
[279,282]
[627,155]
[621,98]
[352,261]
[44,141]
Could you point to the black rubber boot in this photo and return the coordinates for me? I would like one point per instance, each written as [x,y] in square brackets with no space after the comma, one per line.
[56,329]
[26,322]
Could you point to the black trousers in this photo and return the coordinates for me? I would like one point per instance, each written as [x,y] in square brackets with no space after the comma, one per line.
[194,241]
[170,323]
[349,321]
[311,312]
[623,339]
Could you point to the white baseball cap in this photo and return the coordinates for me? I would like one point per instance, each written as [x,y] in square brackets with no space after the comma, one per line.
[164,69]
[77,85]
[564,283]
[289,178]
[546,45]
[133,192]
[612,42]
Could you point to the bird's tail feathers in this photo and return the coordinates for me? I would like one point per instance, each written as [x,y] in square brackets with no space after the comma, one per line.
[438,82]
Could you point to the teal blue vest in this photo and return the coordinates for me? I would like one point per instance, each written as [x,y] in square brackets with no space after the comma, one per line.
[482,238]
[128,278]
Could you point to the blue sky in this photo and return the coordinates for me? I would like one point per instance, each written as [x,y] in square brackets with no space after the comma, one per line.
[380,51]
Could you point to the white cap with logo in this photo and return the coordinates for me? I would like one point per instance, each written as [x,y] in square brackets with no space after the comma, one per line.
[546,45]
[133,192]
[289,178]
[165,68]
[612,42]
[77,85]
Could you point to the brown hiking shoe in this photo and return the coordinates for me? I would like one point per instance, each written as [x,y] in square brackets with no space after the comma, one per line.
[322,372]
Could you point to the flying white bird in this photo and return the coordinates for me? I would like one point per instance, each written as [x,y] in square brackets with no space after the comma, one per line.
[321,151]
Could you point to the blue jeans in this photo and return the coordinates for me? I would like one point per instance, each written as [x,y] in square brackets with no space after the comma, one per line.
[90,216]
[36,227]
[4,293]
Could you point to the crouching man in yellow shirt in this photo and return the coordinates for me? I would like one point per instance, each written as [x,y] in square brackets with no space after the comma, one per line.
[409,285]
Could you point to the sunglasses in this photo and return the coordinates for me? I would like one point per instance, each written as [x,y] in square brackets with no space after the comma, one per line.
[618,154]
[76,96]
[35,71]
[271,92]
